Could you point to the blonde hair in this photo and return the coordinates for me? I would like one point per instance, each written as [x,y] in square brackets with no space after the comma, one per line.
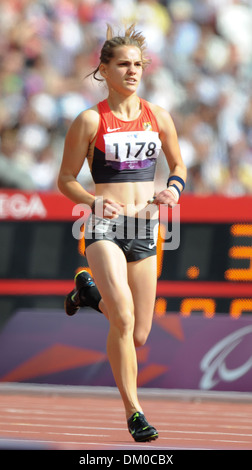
[131,38]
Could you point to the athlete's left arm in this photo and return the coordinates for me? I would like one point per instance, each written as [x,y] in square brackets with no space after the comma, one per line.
[171,149]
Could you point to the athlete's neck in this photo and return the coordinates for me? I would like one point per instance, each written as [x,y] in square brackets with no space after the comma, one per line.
[127,108]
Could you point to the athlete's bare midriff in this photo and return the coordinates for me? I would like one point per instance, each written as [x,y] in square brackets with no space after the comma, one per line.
[134,196]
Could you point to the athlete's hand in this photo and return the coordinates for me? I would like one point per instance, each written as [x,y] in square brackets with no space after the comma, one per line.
[107,208]
[165,197]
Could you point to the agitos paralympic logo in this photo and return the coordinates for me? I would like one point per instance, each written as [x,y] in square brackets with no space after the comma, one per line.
[214,363]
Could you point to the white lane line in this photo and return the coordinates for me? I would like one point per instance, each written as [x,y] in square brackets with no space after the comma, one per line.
[57,434]
[86,419]
[204,440]
[36,425]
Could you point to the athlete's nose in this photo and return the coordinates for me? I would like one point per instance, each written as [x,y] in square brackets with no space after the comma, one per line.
[131,69]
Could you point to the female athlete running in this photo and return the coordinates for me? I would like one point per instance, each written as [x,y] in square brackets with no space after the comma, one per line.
[121,137]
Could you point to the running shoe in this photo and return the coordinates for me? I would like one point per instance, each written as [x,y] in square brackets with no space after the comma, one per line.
[140,429]
[76,298]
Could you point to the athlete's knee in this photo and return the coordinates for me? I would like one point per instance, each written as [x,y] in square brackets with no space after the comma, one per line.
[123,321]
[140,337]
[121,315]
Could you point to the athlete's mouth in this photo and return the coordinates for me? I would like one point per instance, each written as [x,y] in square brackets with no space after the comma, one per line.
[130,80]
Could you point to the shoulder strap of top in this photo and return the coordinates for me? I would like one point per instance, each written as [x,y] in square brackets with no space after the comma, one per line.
[147,109]
[103,106]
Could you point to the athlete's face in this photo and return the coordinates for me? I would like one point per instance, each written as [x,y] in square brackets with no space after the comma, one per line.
[124,71]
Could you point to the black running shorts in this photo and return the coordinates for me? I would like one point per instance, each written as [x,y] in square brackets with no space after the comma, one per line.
[137,238]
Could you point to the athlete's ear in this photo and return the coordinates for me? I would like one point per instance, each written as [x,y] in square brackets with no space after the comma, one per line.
[103,70]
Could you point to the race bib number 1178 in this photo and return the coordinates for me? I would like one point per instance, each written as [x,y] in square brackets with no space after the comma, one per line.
[132,146]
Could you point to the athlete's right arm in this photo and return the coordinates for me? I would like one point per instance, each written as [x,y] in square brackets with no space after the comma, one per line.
[80,134]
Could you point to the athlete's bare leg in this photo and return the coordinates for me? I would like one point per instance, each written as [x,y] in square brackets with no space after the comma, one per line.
[142,279]
[109,268]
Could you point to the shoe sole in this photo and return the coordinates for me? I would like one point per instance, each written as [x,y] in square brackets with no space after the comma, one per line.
[147,439]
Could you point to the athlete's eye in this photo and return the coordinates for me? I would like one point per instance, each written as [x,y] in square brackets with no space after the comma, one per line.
[127,64]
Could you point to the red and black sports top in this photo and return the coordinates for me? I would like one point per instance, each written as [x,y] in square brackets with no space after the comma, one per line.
[125,150]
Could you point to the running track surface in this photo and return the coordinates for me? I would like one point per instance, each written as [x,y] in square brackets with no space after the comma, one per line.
[87,419]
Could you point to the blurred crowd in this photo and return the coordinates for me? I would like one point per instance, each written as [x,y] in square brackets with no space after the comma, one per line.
[201,71]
